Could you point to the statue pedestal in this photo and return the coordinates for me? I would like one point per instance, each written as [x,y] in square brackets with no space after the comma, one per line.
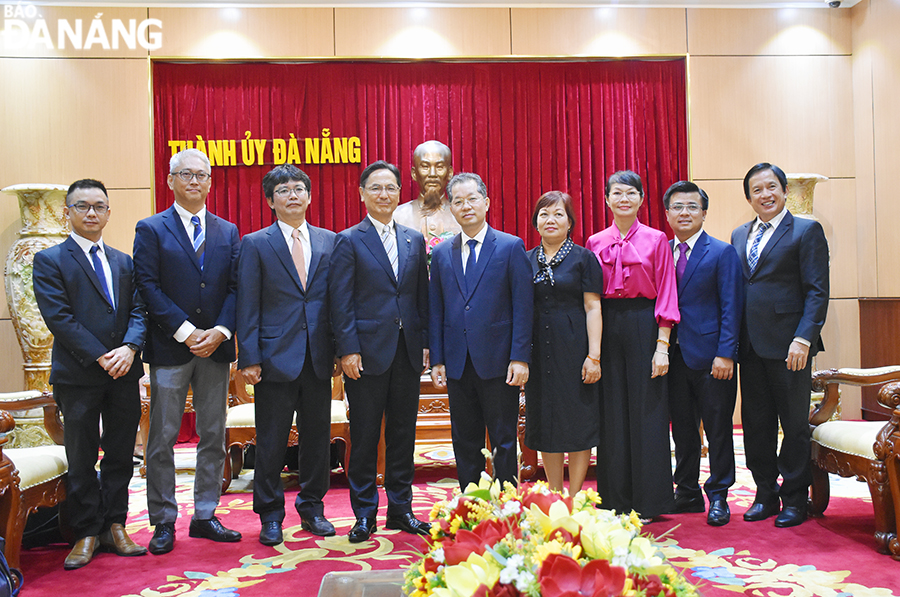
[41,208]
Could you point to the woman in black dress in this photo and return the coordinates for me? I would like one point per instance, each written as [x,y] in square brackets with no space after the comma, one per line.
[562,394]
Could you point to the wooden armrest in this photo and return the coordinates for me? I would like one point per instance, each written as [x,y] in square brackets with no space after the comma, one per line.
[828,380]
[52,420]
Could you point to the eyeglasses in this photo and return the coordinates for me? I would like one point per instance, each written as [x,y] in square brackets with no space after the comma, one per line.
[691,208]
[83,208]
[470,200]
[376,189]
[619,194]
[187,176]
[285,192]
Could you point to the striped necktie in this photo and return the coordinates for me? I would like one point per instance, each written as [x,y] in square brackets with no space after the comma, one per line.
[199,239]
[753,258]
[390,247]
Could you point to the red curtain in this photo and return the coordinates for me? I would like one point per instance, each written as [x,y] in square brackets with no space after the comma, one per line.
[525,127]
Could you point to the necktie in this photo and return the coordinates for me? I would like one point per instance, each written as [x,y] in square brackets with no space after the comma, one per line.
[753,259]
[98,268]
[199,239]
[682,261]
[470,265]
[390,247]
[298,257]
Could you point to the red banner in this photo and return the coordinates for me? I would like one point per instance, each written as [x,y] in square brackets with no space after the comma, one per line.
[525,127]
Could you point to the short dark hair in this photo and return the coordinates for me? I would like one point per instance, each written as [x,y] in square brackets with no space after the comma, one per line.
[466,177]
[778,172]
[85,183]
[282,174]
[625,177]
[686,186]
[374,167]
[552,198]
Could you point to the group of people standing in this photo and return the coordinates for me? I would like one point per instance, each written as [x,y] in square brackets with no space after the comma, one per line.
[589,331]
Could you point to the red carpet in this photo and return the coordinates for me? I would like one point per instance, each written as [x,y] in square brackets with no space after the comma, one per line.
[832,556]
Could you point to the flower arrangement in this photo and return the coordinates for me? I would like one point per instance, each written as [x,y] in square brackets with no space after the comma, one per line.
[531,541]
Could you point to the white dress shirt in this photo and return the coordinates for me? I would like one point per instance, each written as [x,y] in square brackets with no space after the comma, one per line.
[86,246]
[479,242]
[288,233]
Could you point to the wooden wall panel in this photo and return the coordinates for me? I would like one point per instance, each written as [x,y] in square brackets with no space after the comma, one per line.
[842,349]
[231,32]
[792,111]
[420,32]
[835,208]
[60,45]
[127,206]
[727,207]
[75,119]
[756,32]
[604,31]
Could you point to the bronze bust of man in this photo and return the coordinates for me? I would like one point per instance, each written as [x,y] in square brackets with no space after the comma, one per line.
[429,213]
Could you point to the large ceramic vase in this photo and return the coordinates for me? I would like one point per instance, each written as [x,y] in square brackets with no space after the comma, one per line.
[43,225]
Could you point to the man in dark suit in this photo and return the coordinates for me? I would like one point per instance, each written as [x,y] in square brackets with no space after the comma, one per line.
[184,265]
[785,263]
[702,380]
[286,349]
[379,310]
[86,294]
[481,305]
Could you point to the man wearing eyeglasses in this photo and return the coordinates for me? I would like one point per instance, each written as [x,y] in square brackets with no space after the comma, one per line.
[702,377]
[379,309]
[86,294]
[286,350]
[184,264]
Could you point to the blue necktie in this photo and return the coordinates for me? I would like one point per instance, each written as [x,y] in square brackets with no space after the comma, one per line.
[199,239]
[470,265]
[98,268]
[753,258]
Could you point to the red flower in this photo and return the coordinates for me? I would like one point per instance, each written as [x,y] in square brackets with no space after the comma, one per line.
[544,501]
[561,576]
[430,565]
[501,590]
[652,585]
[487,534]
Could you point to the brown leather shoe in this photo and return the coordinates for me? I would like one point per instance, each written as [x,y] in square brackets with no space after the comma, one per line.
[82,553]
[117,541]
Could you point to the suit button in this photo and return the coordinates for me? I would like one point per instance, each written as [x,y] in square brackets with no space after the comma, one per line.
[464,331]
[303,326]
[198,310]
[109,310]
[467,307]
[397,320]
[398,294]
[202,284]
[751,282]
[112,334]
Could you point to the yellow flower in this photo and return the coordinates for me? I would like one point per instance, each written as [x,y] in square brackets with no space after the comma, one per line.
[465,578]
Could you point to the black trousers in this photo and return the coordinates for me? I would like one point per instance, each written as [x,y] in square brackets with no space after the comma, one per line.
[94,505]
[275,404]
[695,396]
[771,393]
[477,403]
[393,395]
[634,464]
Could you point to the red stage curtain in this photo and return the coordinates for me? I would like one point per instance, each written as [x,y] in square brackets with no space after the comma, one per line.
[525,127]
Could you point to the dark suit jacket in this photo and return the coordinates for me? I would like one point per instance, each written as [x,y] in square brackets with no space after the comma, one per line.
[175,289]
[787,295]
[275,316]
[84,325]
[492,320]
[711,301]
[368,304]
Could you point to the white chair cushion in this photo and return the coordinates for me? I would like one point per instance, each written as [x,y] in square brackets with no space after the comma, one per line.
[38,465]
[849,437]
[242,415]
[338,412]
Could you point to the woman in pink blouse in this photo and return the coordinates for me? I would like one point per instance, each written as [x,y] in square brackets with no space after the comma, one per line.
[640,305]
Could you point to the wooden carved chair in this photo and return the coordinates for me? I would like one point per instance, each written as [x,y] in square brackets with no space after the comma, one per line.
[240,425]
[30,478]
[867,450]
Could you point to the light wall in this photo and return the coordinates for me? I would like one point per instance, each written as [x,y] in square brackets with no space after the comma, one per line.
[809,89]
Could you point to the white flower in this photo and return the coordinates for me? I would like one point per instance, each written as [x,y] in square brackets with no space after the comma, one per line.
[438,555]
[511,508]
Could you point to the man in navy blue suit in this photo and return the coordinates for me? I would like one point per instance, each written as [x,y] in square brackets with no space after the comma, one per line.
[86,294]
[702,380]
[286,349]
[481,305]
[379,310]
[184,265]
[785,271]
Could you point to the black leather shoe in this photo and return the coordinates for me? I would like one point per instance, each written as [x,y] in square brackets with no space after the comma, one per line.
[163,540]
[317,525]
[791,516]
[270,533]
[687,503]
[212,529]
[409,523]
[719,514]
[759,511]
[362,529]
